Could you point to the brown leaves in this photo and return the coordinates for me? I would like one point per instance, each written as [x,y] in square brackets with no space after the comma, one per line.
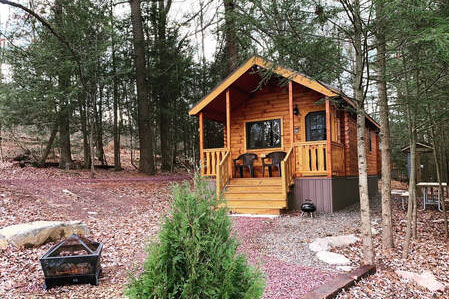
[121,209]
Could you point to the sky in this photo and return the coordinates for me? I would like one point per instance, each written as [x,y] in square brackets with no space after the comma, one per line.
[179,12]
[180,9]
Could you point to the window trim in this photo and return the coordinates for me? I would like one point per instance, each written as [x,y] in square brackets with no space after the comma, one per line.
[370,141]
[264,148]
[306,125]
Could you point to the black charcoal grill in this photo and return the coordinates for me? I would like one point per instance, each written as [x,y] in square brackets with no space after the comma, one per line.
[308,207]
[72,261]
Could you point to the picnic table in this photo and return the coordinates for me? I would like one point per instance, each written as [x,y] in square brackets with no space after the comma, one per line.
[430,200]
[403,194]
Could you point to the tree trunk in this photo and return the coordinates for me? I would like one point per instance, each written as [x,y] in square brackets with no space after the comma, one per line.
[230,37]
[411,185]
[438,162]
[49,145]
[115,95]
[98,113]
[1,142]
[146,164]
[365,217]
[65,158]
[164,97]
[387,229]
[83,120]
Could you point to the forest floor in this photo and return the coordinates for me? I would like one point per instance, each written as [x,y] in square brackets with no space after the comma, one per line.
[124,209]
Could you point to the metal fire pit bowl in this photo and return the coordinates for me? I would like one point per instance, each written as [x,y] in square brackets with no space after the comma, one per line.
[73,261]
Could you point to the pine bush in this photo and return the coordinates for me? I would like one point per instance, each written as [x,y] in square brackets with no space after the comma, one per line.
[196,256]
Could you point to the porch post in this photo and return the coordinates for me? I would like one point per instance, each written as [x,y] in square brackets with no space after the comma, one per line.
[290,110]
[228,120]
[328,138]
[228,129]
[201,121]
[292,119]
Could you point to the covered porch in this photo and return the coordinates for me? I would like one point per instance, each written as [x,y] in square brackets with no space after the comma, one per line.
[259,117]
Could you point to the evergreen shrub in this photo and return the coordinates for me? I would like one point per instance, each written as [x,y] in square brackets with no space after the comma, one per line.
[196,256]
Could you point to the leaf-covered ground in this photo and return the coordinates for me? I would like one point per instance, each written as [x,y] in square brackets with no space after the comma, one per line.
[124,209]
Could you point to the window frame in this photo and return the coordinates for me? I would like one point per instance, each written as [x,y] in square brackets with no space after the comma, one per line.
[370,142]
[306,125]
[245,134]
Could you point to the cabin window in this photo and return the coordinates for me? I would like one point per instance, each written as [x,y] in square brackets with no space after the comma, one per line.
[263,134]
[316,126]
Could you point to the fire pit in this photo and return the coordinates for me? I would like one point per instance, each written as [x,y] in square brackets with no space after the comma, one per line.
[74,260]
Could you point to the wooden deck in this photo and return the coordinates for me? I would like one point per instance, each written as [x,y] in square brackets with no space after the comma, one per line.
[255,196]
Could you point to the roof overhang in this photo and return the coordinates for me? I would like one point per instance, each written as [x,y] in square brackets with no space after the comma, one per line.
[322,88]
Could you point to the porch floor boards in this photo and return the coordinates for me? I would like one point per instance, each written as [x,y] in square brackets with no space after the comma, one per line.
[262,196]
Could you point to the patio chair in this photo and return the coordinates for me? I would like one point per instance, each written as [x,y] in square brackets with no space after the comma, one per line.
[247,161]
[276,159]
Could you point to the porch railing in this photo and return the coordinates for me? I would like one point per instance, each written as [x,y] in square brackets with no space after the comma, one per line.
[287,171]
[311,158]
[223,174]
[211,157]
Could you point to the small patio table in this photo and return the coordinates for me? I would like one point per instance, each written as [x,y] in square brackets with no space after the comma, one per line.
[426,186]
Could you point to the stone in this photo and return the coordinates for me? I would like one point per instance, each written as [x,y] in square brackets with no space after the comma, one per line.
[438,221]
[319,244]
[344,268]
[324,244]
[374,231]
[426,280]
[39,232]
[333,258]
[3,244]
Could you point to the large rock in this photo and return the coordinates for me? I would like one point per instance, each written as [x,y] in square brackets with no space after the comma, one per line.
[39,232]
[325,244]
[426,280]
[333,258]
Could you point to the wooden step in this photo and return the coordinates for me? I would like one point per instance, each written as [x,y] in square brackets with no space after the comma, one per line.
[243,188]
[257,211]
[254,195]
[272,204]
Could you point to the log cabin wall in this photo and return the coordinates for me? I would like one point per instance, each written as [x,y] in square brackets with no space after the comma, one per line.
[268,103]
[271,102]
[350,136]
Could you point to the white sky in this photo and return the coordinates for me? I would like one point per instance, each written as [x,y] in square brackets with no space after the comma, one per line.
[180,9]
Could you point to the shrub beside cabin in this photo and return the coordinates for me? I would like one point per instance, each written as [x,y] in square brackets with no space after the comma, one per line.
[309,126]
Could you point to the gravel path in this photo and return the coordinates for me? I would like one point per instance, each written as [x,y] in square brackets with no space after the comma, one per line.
[263,240]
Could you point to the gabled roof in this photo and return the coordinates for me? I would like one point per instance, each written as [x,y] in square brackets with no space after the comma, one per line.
[421,147]
[297,77]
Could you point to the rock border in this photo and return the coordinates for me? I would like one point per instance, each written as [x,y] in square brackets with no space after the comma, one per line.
[332,288]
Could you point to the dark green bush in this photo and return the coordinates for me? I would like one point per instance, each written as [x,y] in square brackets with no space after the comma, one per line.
[196,256]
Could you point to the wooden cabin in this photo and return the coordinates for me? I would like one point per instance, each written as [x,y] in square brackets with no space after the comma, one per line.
[314,125]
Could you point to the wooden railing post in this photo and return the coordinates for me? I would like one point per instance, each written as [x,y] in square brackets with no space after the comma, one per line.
[328,139]
[202,162]
[228,125]
[286,171]
[223,176]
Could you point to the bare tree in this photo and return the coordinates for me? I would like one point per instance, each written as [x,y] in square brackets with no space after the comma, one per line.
[146,164]
[387,229]
[230,36]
